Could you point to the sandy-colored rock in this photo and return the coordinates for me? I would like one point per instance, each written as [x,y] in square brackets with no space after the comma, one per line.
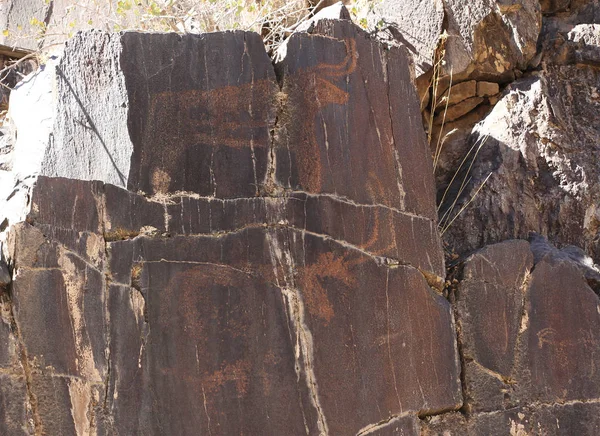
[458,110]
[457,93]
[487,89]
[489,39]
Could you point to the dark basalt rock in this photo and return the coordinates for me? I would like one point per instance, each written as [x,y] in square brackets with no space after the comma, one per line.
[309,300]
[489,311]
[199,120]
[344,130]
[529,336]
[243,283]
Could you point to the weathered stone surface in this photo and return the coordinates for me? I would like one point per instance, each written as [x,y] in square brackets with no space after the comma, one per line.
[566,44]
[206,132]
[541,248]
[457,93]
[552,419]
[14,416]
[491,38]
[407,425]
[90,141]
[486,89]
[226,285]
[541,176]
[310,154]
[326,297]
[458,110]
[14,15]
[5,277]
[188,287]
[416,25]
[528,336]
[562,337]
[553,6]
[489,306]
[483,39]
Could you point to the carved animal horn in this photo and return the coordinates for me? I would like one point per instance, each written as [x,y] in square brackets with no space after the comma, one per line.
[345,67]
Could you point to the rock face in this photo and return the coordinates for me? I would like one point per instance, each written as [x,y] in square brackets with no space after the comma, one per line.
[541,180]
[483,38]
[230,253]
[417,25]
[198,239]
[528,335]
[531,160]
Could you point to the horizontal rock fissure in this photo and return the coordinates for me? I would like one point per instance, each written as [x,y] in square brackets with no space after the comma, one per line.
[389,262]
[172,197]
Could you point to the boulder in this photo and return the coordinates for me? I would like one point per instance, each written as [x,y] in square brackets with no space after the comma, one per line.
[541,311]
[528,334]
[538,151]
[415,25]
[489,306]
[480,39]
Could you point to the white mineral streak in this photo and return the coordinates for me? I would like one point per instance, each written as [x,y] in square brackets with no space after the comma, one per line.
[283,268]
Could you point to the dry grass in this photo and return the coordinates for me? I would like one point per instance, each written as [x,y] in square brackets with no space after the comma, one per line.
[273,19]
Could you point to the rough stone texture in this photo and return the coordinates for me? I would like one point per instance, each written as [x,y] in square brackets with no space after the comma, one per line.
[542,248]
[5,277]
[310,155]
[206,132]
[489,308]
[234,286]
[89,138]
[542,180]
[538,145]
[16,16]
[250,273]
[416,25]
[260,254]
[453,113]
[561,340]
[407,425]
[457,93]
[529,337]
[486,89]
[486,39]
[557,419]
[489,39]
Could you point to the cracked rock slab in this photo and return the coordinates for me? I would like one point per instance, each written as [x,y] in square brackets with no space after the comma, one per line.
[225,280]
[528,332]
[553,419]
[351,124]
[338,306]
[489,309]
